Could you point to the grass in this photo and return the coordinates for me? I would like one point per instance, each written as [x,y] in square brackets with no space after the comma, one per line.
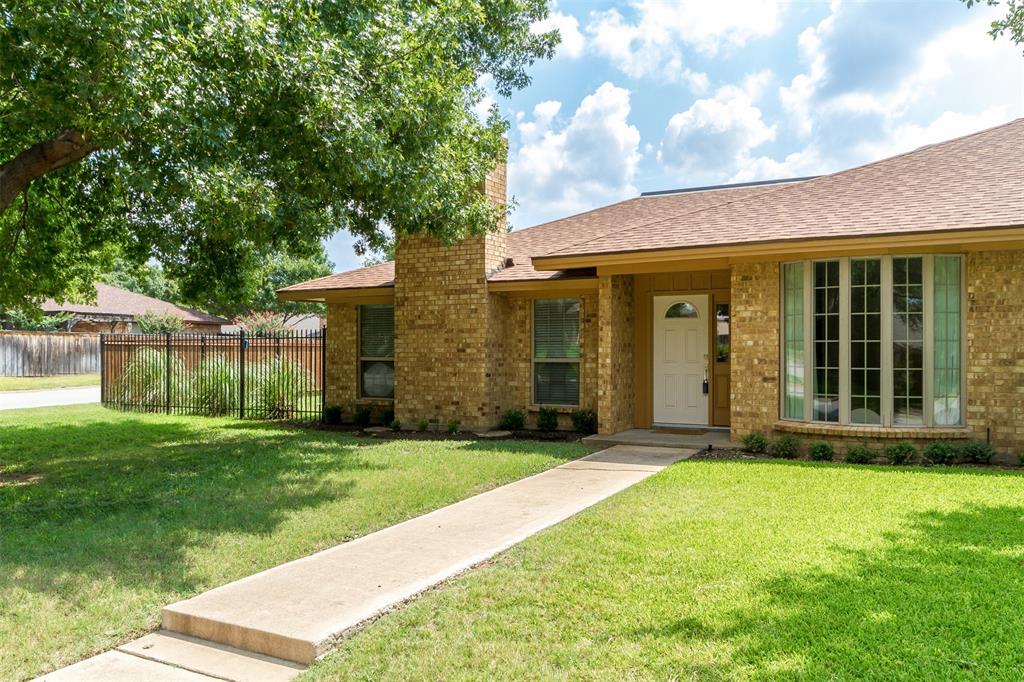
[42,383]
[717,570]
[105,517]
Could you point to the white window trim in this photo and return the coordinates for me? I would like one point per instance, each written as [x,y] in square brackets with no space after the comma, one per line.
[886,384]
[360,358]
[534,360]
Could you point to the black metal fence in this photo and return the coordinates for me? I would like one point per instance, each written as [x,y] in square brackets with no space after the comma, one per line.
[256,377]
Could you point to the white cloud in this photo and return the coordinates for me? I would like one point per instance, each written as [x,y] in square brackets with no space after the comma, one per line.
[798,164]
[716,135]
[796,99]
[568,26]
[591,160]
[653,44]
[947,126]
[483,107]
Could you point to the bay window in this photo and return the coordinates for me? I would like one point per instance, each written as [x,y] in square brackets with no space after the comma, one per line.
[556,351]
[873,340]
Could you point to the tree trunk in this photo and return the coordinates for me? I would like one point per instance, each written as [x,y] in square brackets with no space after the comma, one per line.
[40,159]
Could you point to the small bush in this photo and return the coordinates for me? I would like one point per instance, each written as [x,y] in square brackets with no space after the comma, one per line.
[978,451]
[279,386]
[263,324]
[387,416]
[755,443]
[395,425]
[940,452]
[513,420]
[1020,459]
[786,446]
[822,451]
[143,381]
[215,385]
[584,421]
[422,424]
[332,415]
[453,425]
[859,454]
[362,415]
[159,323]
[903,452]
[547,419]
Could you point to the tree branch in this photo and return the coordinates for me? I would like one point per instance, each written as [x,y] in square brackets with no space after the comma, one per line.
[38,160]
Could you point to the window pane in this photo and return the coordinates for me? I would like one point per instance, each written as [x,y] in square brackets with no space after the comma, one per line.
[722,325]
[908,341]
[556,328]
[793,333]
[681,310]
[826,341]
[377,379]
[377,331]
[946,315]
[865,340]
[556,383]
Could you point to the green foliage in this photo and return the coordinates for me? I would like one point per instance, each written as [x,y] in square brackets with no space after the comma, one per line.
[821,451]
[903,452]
[395,425]
[859,454]
[387,415]
[453,425]
[280,384]
[148,279]
[422,424]
[362,415]
[211,135]
[332,414]
[216,386]
[755,443]
[786,446]
[941,452]
[33,320]
[1020,459]
[547,419]
[1012,23]
[150,322]
[978,451]
[513,420]
[584,421]
[263,324]
[142,382]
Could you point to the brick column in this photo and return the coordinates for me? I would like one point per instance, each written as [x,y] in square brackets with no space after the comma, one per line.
[754,375]
[615,386]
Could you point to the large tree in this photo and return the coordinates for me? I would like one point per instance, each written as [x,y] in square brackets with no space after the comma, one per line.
[209,135]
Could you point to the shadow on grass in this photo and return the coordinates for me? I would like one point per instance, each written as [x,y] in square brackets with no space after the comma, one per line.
[942,598]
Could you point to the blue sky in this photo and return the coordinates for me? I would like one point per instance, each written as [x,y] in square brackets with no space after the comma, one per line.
[650,95]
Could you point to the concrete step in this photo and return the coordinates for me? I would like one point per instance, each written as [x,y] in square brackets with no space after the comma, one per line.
[210,658]
[117,666]
[717,439]
[299,610]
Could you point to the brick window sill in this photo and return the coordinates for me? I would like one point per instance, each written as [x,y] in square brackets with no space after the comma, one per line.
[894,432]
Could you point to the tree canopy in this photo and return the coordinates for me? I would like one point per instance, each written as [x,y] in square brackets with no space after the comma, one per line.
[211,135]
[1012,23]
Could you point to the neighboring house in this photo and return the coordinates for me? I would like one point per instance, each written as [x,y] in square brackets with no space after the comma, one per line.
[115,311]
[881,302]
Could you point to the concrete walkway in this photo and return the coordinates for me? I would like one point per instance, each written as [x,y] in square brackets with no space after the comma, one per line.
[16,400]
[270,625]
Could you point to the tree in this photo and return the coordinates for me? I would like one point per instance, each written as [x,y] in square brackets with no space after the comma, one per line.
[151,322]
[211,135]
[282,271]
[1013,22]
[148,279]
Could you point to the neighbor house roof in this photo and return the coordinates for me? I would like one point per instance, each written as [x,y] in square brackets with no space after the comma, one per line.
[972,182]
[114,301]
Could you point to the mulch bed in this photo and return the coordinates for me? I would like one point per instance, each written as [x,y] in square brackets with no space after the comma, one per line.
[728,454]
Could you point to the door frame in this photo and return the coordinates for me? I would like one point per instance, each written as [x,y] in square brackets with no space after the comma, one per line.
[705,308]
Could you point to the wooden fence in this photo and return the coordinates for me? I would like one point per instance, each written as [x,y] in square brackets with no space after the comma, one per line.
[35,354]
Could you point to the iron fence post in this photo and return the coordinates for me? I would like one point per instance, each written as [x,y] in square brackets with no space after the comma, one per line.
[103,371]
[167,398]
[241,374]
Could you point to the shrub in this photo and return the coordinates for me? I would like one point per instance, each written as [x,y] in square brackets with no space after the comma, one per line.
[584,421]
[362,415]
[859,454]
[755,443]
[979,451]
[940,452]
[453,425]
[513,420]
[822,451]
[396,425]
[34,321]
[159,323]
[1020,459]
[143,380]
[903,452]
[215,385]
[547,419]
[263,324]
[332,414]
[422,424]
[786,446]
[387,416]
[278,385]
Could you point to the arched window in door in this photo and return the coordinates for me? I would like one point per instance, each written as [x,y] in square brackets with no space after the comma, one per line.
[681,309]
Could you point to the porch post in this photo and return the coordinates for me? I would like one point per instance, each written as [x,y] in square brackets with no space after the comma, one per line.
[615,386]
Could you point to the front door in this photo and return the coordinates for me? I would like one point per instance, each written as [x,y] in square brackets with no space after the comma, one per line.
[680,359]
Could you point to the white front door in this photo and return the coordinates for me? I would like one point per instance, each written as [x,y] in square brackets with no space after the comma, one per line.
[680,359]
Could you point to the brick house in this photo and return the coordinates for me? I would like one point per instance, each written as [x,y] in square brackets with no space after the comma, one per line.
[881,302]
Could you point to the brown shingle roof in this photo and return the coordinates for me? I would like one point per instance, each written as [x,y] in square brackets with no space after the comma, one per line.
[971,182]
[114,301]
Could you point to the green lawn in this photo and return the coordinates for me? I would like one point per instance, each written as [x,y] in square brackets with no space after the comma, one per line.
[736,570]
[40,383]
[105,517]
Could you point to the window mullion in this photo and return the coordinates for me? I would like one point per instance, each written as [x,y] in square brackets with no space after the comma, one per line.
[808,340]
[844,340]
[887,341]
[927,289]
